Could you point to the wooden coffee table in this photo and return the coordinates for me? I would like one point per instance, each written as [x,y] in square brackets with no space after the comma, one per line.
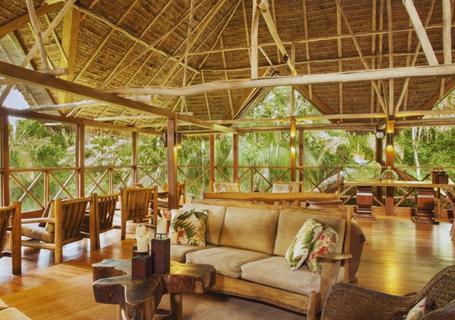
[139,299]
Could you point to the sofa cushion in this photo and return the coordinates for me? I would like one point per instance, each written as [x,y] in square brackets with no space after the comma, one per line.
[290,221]
[215,220]
[36,232]
[325,243]
[303,243]
[12,314]
[179,251]
[227,261]
[188,227]
[275,272]
[250,229]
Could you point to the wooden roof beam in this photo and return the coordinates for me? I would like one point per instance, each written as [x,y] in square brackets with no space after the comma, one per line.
[30,77]
[446,30]
[421,33]
[22,20]
[324,78]
[264,7]
[37,33]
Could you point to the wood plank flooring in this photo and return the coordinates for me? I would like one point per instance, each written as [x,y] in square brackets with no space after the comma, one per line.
[399,257]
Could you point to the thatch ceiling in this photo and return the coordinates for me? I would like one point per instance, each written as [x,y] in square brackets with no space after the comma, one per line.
[311,30]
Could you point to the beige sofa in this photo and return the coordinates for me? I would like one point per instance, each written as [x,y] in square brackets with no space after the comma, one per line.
[7,313]
[247,247]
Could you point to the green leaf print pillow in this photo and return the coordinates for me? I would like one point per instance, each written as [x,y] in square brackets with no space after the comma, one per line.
[188,227]
[303,243]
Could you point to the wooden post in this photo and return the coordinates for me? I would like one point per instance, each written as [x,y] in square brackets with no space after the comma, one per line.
[292,148]
[390,156]
[135,173]
[47,191]
[379,158]
[173,199]
[235,157]
[301,156]
[212,161]
[5,160]
[80,159]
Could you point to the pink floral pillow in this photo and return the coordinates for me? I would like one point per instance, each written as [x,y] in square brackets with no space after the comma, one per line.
[418,311]
[325,243]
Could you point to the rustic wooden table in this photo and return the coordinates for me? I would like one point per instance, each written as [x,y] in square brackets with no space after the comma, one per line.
[139,299]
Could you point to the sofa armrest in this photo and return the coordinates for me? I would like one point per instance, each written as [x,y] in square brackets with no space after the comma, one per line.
[346,301]
[38,220]
[334,257]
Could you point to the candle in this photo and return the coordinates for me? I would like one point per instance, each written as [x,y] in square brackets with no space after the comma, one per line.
[161,226]
[142,241]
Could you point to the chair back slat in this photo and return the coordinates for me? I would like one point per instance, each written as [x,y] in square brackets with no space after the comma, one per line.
[72,214]
[136,202]
[106,211]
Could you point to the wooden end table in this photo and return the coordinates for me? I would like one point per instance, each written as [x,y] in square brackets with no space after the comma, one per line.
[139,299]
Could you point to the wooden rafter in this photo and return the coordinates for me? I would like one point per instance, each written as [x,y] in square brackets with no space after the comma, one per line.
[35,78]
[37,33]
[226,77]
[446,30]
[420,32]
[254,40]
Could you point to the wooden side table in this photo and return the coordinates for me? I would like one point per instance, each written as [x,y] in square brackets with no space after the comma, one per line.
[139,299]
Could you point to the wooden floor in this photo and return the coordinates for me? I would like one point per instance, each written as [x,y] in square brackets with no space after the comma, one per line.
[399,257]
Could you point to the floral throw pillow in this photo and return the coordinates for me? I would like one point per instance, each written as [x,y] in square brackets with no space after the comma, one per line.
[303,243]
[188,227]
[417,312]
[325,243]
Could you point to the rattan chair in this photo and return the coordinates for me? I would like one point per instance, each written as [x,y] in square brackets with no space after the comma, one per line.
[100,219]
[10,220]
[62,226]
[345,301]
[135,203]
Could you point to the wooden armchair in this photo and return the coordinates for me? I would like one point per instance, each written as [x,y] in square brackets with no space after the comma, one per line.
[10,219]
[62,226]
[346,301]
[100,218]
[135,204]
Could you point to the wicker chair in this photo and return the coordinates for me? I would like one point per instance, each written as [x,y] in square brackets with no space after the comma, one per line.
[10,219]
[345,301]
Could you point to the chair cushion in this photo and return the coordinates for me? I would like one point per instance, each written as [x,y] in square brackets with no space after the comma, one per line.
[215,220]
[280,187]
[12,314]
[250,229]
[3,305]
[188,227]
[275,272]
[290,221]
[303,243]
[227,261]
[179,251]
[34,231]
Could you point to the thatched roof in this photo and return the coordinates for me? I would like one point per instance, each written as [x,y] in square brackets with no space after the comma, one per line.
[309,29]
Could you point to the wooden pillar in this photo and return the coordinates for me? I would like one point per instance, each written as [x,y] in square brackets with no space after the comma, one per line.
[301,156]
[378,157]
[292,148]
[135,173]
[5,160]
[173,199]
[235,157]
[80,159]
[212,161]
[389,159]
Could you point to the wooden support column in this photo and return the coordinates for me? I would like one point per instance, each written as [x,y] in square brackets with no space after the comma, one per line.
[5,159]
[378,157]
[80,159]
[235,157]
[212,161]
[70,36]
[135,173]
[292,149]
[301,156]
[389,159]
[173,199]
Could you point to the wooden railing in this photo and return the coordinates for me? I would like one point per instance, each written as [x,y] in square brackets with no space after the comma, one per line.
[35,187]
